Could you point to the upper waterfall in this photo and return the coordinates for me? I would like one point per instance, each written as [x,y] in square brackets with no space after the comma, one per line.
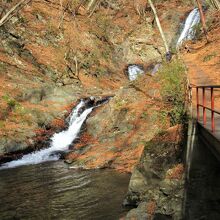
[188,32]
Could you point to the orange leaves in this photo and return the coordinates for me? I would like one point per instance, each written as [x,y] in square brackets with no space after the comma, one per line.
[176,172]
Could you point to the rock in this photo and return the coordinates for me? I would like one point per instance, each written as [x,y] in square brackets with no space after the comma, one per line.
[137,182]
[12,145]
[140,45]
[139,213]
[34,96]
[159,216]
[150,180]
[59,154]
[68,161]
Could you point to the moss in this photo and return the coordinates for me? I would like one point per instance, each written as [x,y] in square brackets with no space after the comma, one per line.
[209,57]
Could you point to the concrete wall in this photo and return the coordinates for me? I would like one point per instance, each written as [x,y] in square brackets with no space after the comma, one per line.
[202,192]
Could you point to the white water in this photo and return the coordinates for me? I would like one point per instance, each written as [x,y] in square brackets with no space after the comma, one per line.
[188,32]
[59,142]
[134,71]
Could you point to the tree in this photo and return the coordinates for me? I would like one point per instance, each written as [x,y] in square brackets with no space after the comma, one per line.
[202,16]
[168,53]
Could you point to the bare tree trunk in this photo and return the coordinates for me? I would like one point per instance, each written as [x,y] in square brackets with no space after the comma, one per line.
[168,53]
[76,66]
[202,18]
[95,7]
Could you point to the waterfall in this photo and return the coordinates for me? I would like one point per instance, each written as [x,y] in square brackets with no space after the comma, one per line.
[59,142]
[134,71]
[188,32]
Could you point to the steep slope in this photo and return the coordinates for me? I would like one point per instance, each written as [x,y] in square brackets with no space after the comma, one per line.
[50,57]
[157,183]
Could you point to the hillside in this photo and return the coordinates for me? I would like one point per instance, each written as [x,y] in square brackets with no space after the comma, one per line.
[55,53]
[47,63]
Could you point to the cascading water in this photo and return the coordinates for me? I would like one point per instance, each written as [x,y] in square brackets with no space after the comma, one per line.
[133,71]
[59,142]
[188,32]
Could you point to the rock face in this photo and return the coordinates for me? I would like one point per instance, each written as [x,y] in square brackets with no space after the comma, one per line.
[47,63]
[116,133]
[157,182]
[20,126]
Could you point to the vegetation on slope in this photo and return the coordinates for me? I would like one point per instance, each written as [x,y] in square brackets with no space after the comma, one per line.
[173,90]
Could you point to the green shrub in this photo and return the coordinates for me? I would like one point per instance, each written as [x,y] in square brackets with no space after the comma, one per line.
[173,84]
[10,101]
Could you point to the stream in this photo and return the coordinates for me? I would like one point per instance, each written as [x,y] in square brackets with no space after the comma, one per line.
[40,186]
[51,190]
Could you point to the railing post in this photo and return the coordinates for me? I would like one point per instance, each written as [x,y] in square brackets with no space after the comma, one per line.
[212,113]
[197,102]
[204,106]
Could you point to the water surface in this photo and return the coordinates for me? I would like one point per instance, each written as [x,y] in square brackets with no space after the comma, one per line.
[53,191]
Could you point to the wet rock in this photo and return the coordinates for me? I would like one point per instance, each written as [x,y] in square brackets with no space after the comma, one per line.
[162,217]
[89,102]
[158,177]
[132,199]
[138,213]
[68,161]
[59,154]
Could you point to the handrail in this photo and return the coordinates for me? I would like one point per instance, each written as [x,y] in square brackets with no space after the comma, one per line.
[204,106]
[209,86]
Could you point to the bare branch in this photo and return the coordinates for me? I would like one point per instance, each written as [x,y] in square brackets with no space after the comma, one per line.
[9,14]
[202,19]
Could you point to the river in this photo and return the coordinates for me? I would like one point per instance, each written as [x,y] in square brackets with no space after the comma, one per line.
[53,191]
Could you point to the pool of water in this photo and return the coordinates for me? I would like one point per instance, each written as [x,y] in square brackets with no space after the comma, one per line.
[53,191]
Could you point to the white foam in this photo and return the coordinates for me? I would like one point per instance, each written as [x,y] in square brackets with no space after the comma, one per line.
[134,71]
[188,32]
[59,142]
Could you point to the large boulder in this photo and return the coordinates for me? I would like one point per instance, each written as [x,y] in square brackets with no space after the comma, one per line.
[159,178]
